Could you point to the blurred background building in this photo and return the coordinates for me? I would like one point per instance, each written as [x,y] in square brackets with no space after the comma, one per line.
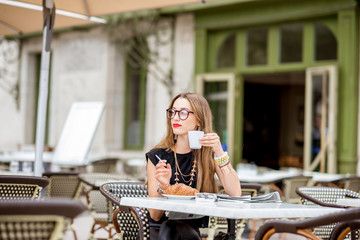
[281,77]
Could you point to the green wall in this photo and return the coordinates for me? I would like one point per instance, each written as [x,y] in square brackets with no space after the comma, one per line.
[214,24]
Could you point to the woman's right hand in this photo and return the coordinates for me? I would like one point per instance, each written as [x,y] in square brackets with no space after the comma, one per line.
[163,174]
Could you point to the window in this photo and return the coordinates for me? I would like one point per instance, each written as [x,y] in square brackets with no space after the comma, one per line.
[226,53]
[291,43]
[256,51]
[135,99]
[325,43]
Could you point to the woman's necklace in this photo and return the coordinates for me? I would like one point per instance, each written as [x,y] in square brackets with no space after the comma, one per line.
[191,174]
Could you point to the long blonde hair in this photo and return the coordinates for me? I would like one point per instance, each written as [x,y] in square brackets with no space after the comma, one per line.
[204,156]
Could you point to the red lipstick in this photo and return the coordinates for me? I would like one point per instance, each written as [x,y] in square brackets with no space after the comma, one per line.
[175,125]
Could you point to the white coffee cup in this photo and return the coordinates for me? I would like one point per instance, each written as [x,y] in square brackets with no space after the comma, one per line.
[194,137]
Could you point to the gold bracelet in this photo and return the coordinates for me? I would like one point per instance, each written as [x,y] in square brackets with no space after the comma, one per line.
[225,164]
[226,169]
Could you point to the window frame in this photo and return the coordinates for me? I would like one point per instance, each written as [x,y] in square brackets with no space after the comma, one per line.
[142,98]
[230,78]
[216,38]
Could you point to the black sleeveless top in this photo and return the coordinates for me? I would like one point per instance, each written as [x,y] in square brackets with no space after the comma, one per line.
[185,162]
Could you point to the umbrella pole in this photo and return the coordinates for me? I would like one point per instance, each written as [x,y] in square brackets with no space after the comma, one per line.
[41,112]
[49,18]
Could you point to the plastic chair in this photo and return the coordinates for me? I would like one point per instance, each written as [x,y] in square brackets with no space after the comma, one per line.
[33,220]
[97,203]
[21,187]
[132,223]
[327,197]
[346,221]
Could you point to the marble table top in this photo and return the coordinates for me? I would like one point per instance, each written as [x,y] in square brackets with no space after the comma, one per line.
[349,202]
[324,177]
[230,210]
[266,177]
[276,175]
[27,156]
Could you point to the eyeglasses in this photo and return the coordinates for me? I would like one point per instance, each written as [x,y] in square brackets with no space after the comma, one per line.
[183,114]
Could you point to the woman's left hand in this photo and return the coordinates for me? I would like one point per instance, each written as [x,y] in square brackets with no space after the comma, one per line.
[212,140]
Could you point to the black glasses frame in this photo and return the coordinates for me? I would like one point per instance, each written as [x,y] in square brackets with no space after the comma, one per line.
[173,113]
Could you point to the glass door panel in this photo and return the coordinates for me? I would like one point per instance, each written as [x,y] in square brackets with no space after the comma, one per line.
[219,90]
[320,122]
[216,94]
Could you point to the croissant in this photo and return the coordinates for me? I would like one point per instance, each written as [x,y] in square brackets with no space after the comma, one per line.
[180,189]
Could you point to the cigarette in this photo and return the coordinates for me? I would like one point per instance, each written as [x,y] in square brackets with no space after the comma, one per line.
[159,158]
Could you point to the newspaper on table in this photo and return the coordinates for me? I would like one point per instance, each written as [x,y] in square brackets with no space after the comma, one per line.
[212,197]
[269,197]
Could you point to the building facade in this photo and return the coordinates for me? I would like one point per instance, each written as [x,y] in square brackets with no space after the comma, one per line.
[281,78]
[292,64]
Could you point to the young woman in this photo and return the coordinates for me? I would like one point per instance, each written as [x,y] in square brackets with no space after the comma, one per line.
[181,164]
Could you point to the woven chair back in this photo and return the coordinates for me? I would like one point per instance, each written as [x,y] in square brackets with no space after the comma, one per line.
[324,196]
[291,184]
[132,223]
[21,187]
[351,183]
[98,204]
[327,197]
[37,220]
[64,185]
[105,165]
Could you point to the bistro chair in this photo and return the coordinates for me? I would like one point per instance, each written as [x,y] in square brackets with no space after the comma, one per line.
[327,197]
[352,183]
[100,207]
[107,165]
[251,189]
[342,230]
[216,223]
[135,167]
[289,185]
[14,187]
[64,185]
[34,220]
[131,223]
[324,196]
[347,221]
